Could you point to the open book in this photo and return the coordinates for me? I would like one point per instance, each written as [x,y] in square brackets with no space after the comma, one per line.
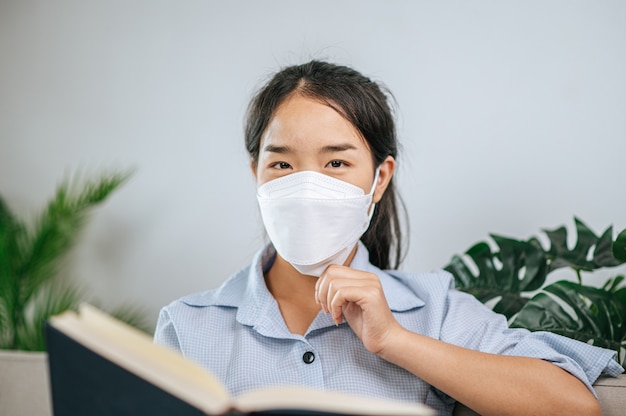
[102,366]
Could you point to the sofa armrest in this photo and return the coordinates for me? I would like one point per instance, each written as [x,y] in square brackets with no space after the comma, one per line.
[611,393]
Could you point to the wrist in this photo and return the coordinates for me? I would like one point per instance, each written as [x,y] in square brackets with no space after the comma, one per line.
[391,347]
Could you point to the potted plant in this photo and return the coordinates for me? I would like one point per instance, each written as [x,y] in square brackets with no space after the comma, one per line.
[507,275]
[32,287]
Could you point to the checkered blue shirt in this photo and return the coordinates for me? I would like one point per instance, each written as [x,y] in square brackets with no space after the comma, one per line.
[237,332]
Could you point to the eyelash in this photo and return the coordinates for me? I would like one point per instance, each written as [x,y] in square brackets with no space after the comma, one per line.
[285,165]
[337,161]
[281,165]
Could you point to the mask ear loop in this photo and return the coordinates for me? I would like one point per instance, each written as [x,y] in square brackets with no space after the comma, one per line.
[371,193]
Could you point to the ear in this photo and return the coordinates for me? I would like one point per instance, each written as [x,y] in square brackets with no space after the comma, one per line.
[253,168]
[387,167]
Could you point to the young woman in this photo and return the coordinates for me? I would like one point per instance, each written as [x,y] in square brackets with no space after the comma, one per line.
[323,305]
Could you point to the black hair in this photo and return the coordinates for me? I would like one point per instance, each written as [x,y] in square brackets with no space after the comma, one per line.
[365,105]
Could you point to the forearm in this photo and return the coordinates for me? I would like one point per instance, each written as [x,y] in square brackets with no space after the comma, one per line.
[488,383]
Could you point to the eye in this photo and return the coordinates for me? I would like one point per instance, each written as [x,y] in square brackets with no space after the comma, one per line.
[281,165]
[336,163]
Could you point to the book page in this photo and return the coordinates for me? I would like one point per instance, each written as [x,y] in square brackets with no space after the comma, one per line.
[300,398]
[134,350]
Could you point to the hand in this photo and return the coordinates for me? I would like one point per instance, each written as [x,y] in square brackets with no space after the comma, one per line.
[358,297]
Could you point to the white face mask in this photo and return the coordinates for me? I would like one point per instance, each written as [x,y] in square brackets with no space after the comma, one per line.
[314,220]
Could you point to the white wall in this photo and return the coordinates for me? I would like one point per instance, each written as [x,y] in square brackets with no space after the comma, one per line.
[511,117]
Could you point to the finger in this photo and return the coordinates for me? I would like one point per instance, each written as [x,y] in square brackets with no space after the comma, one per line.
[335,277]
[336,305]
[323,283]
[320,292]
[347,295]
[337,284]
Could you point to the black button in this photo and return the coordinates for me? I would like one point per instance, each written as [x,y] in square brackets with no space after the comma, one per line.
[308,357]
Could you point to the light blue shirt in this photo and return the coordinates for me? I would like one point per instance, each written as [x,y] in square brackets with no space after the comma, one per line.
[237,332]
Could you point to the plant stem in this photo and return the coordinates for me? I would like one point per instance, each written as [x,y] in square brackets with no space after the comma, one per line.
[17,317]
[579,276]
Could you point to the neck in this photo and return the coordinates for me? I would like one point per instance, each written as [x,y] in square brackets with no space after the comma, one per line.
[295,293]
[285,282]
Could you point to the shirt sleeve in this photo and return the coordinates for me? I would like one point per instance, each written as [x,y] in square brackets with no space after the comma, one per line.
[470,324]
[165,332]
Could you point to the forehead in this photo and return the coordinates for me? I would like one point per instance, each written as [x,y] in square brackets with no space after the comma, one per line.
[307,123]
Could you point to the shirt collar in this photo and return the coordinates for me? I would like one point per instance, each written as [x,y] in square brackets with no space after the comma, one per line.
[247,291]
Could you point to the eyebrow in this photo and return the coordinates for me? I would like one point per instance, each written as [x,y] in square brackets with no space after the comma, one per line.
[277,149]
[338,148]
[326,149]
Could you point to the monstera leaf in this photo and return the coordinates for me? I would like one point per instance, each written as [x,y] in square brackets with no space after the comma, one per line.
[619,246]
[598,316]
[517,267]
[590,252]
[589,314]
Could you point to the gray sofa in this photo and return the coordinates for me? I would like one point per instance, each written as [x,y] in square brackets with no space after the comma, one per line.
[611,393]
